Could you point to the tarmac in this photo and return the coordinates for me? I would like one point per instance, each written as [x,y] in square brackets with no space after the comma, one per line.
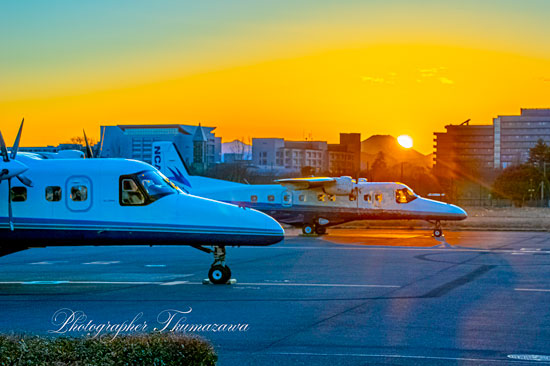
[353,297]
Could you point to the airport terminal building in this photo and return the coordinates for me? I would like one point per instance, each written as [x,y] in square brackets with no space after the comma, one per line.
[198,145]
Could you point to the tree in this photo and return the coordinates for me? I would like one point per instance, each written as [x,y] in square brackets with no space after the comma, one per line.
[539,154]
[517,183]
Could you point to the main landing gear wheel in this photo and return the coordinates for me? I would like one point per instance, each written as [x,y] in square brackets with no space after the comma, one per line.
[320,230]
[308,229]
[219,273]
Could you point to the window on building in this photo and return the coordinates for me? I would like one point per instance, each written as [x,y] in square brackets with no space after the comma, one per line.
[18,194]
[79,193]
[53,194]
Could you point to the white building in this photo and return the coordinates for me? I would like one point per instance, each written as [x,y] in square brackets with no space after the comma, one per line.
[135,142]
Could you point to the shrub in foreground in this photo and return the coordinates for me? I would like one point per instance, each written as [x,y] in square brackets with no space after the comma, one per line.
[154,349]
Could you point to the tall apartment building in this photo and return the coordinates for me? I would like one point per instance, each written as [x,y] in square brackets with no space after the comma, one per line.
[278,155]
[198,145]
[463,149]
[515,135]
[506,142]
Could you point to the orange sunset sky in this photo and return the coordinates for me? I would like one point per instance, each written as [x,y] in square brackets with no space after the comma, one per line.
[289,69]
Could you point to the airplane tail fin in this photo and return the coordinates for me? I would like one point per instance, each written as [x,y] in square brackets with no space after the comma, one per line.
[167,159]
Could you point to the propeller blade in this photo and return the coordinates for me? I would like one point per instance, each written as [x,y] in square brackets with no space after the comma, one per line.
[26,181]
[9,205]
[3,149]
[89,153]
[15,147]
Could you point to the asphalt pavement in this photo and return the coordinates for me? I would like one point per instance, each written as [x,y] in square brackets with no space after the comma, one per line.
[353,297]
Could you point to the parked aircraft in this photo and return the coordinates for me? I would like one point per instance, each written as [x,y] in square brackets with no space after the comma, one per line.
[116,202]
[312,203]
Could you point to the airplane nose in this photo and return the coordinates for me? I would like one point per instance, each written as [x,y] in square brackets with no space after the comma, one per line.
[459,212]
[269,225]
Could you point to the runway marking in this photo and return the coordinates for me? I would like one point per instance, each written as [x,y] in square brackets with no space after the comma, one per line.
[386,236]
[103,262]
[155,265]
[435,248]
[532,289]
[539,358]
[50,262]
[175,283]
[304,284]
[374,355]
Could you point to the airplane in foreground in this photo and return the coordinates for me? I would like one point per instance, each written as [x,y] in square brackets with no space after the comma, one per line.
[311,203]
[60,202]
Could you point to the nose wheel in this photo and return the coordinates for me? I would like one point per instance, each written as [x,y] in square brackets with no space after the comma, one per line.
[219,272]
[438,231]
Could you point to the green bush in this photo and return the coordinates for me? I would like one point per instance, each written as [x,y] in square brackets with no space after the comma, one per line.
[153,349]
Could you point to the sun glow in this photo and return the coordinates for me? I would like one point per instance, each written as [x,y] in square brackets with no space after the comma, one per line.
[406,141]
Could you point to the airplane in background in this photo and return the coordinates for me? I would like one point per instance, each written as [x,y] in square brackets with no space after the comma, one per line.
[117,202]
[311,203]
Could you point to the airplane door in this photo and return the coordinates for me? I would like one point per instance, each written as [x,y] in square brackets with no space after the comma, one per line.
[286,199]
[79,193]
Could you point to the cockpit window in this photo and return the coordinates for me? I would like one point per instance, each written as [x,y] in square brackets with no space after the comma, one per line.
[404,195]
[156,185]
[145,187]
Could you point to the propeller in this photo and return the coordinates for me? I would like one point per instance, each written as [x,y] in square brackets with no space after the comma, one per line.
[89,152]
[12,168]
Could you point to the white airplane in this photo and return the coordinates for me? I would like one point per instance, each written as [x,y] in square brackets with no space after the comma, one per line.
[117,202]
[312,203]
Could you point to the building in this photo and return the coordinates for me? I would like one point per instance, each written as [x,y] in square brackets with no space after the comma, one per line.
[280,156]
[463,149]
[345,158]
[514,136]
[198,145]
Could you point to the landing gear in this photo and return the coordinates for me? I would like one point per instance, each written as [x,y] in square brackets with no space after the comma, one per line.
[320,230]
[219,273]
[308,229]
[438,232]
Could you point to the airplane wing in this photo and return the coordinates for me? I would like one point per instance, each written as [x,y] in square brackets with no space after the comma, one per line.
[306,183]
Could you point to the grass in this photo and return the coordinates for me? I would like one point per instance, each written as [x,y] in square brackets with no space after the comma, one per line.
[148,349]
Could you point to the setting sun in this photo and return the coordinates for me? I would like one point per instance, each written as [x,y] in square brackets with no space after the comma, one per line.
[406,141]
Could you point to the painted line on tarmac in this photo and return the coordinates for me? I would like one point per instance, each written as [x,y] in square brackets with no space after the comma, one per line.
[175,283]
[532,289]
[374,355]
[435,248]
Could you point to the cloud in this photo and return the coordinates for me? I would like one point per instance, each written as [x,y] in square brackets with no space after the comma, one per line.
[373,79]
[444,80]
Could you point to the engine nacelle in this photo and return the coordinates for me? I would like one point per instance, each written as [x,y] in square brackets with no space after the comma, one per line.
[342,187]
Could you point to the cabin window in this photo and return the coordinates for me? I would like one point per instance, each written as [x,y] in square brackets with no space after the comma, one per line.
[404,195]
[79,193]
[253,198]
[18,194]
[130,194]
[320,197]
[271,198]
[53,193]
[378,197]
[332,197]
[302,198]
[286,198]
[367,198]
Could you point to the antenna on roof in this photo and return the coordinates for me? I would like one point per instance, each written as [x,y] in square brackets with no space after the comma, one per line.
[466,123]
